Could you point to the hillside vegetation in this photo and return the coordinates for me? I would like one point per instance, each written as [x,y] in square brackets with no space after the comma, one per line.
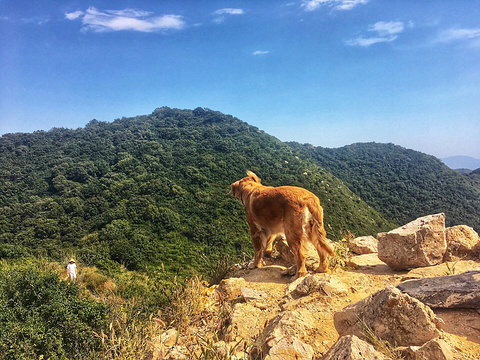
[403,184]
[144,204]
[152,191]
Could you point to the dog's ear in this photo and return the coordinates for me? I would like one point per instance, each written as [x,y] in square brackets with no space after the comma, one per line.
[254,177]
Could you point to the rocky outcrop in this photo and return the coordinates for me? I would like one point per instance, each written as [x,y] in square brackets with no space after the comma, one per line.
[452,291]
[462,242]
[436,349]
[390,315]
[418,243]
[280,336]
[352,348]
[323,283]
[364,245]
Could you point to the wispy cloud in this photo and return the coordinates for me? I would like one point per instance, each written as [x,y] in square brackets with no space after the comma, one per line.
[74,15]
[470,35]
[260,52]
[311,5]
[384,32]
[230,11]
[220,14]
[127,19]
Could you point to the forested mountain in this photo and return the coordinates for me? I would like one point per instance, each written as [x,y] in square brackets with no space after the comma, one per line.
[153,190]
[401,183]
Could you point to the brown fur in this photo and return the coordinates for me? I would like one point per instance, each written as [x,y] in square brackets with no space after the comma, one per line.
[288,210]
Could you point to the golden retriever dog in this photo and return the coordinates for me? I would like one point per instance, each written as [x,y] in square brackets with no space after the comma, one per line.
[284,210]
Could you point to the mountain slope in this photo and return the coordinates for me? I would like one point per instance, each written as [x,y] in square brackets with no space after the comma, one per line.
[404,184]
[152,190]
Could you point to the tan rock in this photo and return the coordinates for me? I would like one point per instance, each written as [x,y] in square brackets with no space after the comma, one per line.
[352,348]
[392,316]
[449,291]
[462,241]
[244,322]
[364,245]
[289,347]
[231,289]
[287,325]
[325,284]
[250,294]
[418,243]
[436,349]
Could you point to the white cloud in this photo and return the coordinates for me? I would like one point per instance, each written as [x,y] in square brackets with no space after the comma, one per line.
[73,15]
[229,11]
[350,4]
[361,41]
[387,28]
[127,19]
[220,14]
[385,32]
[459,34]
[311,5]
[259,52]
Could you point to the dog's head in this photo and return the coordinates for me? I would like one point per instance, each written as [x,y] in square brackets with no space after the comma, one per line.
[238,186]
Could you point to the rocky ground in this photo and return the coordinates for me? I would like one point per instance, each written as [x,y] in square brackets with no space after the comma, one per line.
[362,309]
[309,316]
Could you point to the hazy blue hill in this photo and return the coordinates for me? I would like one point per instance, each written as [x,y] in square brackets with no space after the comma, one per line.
[461,162]
[153,189]
[403,184]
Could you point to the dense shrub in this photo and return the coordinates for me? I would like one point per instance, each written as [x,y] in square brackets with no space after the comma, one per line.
[42,315]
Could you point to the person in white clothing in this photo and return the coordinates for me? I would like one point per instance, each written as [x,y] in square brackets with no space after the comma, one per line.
[72,270]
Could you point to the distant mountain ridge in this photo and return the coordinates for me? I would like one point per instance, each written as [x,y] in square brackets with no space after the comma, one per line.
[461,162]
[402,183]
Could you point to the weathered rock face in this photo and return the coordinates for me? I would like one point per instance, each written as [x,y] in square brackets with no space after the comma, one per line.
[392,316]
[280,336]
[231,288]
[290,347]
[436,349]
[323,283]
[352,348]
[462,241]
[244,322]
[418,243]
[364,245]
[452,291]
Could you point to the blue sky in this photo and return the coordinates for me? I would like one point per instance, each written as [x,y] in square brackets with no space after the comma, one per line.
[325,72]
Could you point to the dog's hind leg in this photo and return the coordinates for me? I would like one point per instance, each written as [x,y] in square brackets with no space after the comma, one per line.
[269,247]
[294,240]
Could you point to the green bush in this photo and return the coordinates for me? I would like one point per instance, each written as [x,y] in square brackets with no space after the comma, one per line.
[41,315]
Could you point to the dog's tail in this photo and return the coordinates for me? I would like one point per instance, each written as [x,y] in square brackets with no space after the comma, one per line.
[318,234]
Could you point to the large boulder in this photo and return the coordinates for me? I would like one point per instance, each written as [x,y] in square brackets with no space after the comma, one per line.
[352,348]
[416,244]
[462,242]
[391,316]
[450,291]
[364,245]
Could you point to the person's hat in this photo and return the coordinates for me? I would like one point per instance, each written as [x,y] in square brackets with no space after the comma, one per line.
[72,260]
